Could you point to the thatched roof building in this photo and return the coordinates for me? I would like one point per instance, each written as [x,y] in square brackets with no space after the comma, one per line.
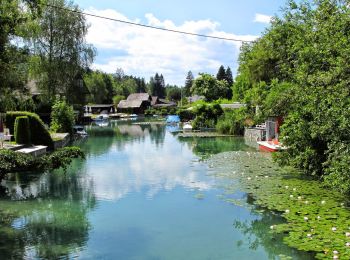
[136,103]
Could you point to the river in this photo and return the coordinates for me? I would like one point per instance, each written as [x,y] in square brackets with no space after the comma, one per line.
[141,193]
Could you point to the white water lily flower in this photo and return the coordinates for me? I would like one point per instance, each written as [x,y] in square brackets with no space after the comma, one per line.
[249,178]
[299,198]
[309,235]
[323,202]
[286,187]
[294,189]
[306,218]
[306,202]
[334,229]
[347,234]
[272,227]
[287,210]
[291,196]
[335,252]
[318,217]
[266,176]
[335,257]
[347,244]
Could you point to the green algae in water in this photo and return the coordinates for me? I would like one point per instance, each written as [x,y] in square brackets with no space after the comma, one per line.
[317,219]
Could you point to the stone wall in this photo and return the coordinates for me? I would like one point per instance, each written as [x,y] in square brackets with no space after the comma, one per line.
[254,134]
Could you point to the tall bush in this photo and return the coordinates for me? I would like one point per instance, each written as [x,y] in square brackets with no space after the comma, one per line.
[39,134]
[62,117]
[22,130]
[232,122]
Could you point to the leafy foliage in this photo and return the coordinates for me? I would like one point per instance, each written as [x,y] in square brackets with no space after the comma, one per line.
[208,86]
[232,122]
[22,130]
[62,117]
[298,69]
[60,51]
[206,115]
[16,18]
[11,161]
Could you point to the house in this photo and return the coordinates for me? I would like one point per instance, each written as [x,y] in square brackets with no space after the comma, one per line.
[235,105]
[162,103]
[136,103]
[195,98]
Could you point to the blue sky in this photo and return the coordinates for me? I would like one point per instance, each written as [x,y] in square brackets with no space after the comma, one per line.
[143,52]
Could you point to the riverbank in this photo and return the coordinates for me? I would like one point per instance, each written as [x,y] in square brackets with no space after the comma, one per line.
[317,219]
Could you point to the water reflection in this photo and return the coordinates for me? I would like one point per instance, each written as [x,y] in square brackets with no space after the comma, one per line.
[132,198]
[131,161]
[44,215]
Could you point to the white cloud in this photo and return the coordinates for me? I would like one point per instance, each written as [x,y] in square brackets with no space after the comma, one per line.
[262,18]
[147,51]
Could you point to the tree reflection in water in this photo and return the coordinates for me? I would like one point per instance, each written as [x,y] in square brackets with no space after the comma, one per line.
[44,215]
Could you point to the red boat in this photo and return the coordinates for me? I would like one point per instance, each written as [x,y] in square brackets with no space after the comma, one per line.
[270,146]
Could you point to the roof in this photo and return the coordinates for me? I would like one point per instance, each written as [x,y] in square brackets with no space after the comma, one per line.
[130,104]
[232,106]
[139,96]
[155,100]
[195,98]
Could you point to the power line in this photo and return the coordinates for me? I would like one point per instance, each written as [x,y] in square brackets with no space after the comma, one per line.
[149,26]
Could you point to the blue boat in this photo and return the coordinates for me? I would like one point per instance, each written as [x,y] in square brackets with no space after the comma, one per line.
[172,119]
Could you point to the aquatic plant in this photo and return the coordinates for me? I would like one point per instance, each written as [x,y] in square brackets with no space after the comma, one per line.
[317,220]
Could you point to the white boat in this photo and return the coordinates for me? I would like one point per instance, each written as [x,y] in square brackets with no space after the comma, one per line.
[187,127]
[101,117]
[79,130]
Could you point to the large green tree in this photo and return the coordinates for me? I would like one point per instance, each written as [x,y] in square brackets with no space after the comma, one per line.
[60,49]
[16,21]
[299,69]
[221,75]
[208,86]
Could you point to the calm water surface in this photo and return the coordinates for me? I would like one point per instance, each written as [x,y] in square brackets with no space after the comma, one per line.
[141,193]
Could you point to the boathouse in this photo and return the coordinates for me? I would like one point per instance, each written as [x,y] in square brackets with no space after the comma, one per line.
[136,103]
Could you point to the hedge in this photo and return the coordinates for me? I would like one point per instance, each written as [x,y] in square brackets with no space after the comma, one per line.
[22,130]
[39,134]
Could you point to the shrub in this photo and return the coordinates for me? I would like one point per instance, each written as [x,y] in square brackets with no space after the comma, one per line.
[186,115]
[11,161]
[206,115]
[232,122]
[39,134]
[22,130]
[62,117]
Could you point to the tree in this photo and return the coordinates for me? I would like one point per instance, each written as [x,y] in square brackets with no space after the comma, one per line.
[188,83]
[228,76]
[62,117]
[60,49]
[17,17]
[173,93]
[221,75]
[157,86]
[208,86]
[97,87]
[299,69]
